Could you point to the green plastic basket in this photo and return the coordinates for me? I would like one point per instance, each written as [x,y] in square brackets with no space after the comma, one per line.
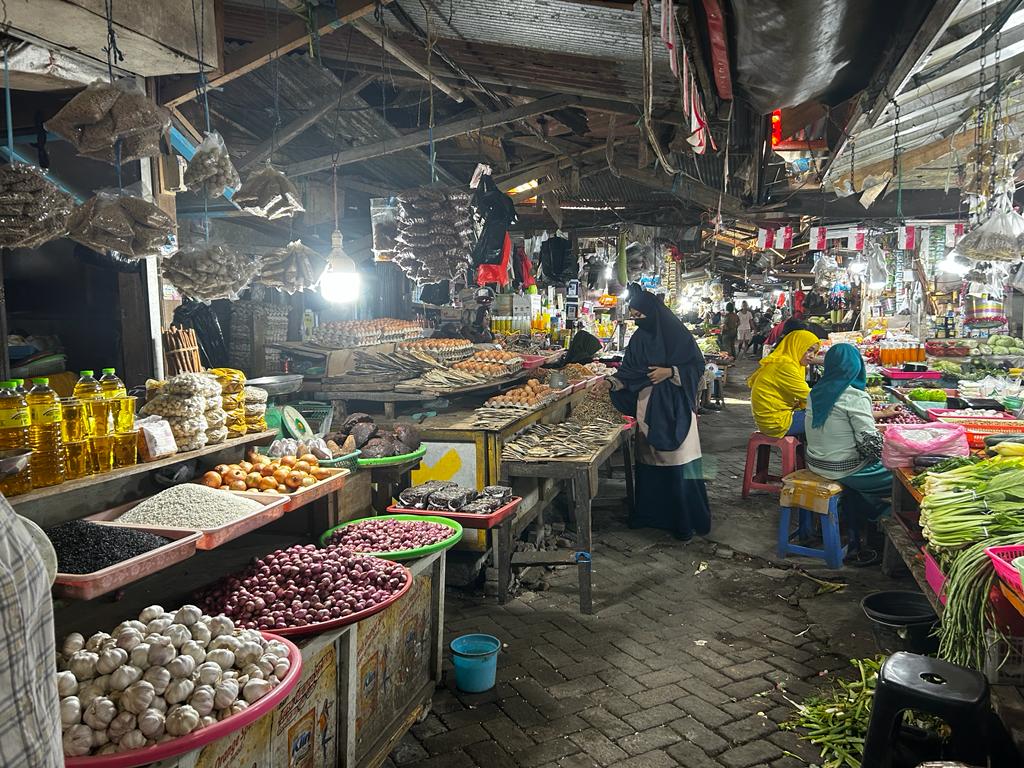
[387,461]
[405,554]
[318,415]
[349,461]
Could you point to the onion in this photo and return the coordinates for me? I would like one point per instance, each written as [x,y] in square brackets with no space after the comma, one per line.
[389,535]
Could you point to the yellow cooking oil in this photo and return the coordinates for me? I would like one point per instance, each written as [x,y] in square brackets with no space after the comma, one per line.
[88,388]
[44,434]
[111,386]
[14,435]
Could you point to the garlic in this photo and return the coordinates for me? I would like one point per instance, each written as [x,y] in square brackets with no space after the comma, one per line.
[181,720]
[200,633]
[157,626]
[139,656]
[161,652]
[221,656]
[107,749]
[120,725]
[150,613]
[88,692]
[67,684]
[182,666]
[225,694]
[208,673]
[178,691]
[129,638]
[99,738]
[102,682]
[151,723]
[188,615]
[221,625]
[83,664]
[138,696]
[99,713]
[178,634]
[253,672]
[227,642]
[111,659]
[159,704]
[70,711]
[281,667]
[138,626]
[72,643]
[248,653]
[255,690]
[159,677]
[277,648]
[124,676]
[132,740]
[207,720]
[77,740]
[202,700]
[238,706]
[195,650]
[95,642]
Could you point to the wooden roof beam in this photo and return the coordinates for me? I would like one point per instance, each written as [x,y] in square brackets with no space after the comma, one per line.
[264,149]
[259,52]
[424,137]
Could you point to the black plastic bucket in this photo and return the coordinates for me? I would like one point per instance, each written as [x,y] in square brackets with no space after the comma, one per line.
[901,621]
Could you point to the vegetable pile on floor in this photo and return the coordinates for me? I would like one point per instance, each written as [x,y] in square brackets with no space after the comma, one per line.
[160,677]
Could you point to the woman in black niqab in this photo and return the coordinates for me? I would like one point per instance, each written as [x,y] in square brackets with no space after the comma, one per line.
[657,383]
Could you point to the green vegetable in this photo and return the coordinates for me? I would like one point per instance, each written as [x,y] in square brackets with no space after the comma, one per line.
[928,395]
[954,462]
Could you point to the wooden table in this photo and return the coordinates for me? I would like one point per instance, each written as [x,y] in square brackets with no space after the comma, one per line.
[390,480]
[581,476]
[900,548]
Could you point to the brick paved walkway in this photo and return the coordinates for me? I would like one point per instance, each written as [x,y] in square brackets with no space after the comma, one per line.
[686,662]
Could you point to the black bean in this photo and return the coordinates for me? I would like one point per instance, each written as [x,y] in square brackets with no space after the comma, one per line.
[84,547]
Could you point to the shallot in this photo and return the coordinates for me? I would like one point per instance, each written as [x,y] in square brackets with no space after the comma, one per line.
[390,535]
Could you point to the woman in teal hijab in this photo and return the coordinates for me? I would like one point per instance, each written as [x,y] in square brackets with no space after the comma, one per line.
[844,445]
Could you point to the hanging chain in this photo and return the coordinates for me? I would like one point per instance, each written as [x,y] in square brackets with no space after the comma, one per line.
[979,123]
[997,114]
[895,139]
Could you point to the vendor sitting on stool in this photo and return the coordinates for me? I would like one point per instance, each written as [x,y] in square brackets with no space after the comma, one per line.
[778,388]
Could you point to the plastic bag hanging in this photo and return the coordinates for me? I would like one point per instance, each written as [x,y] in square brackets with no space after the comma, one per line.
[293,268]
[435,230]
[999,238]
[124,223]
[208,272]
[269,194]
[878,271]
[210,168]
[112,121]
[32,210]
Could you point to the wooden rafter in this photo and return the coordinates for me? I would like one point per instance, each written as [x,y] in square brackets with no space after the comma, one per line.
[424,137]
[253,56]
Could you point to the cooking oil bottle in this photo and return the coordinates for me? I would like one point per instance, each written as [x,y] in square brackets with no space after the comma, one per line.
[87,387]
[14,435]
[112,386]
[19,387]
[47,462]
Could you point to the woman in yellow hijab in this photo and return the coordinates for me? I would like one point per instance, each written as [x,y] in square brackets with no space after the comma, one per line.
[778,388]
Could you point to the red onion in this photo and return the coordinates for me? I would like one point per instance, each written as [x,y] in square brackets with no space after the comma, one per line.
[389,535]
[903,416]
[311,586]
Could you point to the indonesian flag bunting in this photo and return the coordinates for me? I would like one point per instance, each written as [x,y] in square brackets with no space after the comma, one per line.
[784,238]
[905,240]
[818,239]
[765,238]
[953,233]
[855,240]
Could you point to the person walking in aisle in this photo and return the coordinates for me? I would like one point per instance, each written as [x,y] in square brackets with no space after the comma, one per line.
[745,331]
[657,383]
[730,325]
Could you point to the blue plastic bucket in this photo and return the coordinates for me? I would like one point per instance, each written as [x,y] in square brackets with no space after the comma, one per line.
[476,662]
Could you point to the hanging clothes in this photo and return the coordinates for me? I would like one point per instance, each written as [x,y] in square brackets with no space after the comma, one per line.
[498,211]
[522,268]
[496,273]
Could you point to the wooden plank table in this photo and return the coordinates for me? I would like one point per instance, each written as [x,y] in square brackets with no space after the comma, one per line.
[581,476]
[1007,700]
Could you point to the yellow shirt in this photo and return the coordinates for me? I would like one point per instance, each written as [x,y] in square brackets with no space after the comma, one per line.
[778,386]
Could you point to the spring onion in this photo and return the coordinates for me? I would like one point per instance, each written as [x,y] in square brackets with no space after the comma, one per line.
[973,503]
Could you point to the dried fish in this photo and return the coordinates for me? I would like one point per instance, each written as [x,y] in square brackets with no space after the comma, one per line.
[567,440]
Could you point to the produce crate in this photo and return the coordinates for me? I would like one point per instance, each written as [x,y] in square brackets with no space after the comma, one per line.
[979,429]
[1004,659]
[466,519]
[349,461]
[318,415]
[318,490]
[1001,558]
[934,576]
[934,414]
[86,586]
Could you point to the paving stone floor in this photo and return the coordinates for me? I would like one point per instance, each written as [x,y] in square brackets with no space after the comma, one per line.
[687,662]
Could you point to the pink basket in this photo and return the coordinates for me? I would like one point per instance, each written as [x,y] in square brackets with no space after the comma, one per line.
[934,576]
[1001,558]
[900,374]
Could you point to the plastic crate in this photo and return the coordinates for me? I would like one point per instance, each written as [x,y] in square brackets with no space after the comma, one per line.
[934,576]
[1001,558]
[979,429]
[318,415]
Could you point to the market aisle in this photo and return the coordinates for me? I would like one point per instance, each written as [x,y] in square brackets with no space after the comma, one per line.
[686,662]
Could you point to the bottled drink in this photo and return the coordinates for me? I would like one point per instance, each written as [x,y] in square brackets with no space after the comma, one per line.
[87,387]
[111,385]
[14,435]
[19,387]
[44,435]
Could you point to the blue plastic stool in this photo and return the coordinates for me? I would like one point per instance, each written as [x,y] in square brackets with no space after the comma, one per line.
[833,551]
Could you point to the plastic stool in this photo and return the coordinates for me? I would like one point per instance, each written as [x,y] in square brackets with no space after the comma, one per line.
[810,494]
[959,696]
[759,449]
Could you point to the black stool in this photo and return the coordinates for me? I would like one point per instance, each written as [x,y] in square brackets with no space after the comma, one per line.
[958,695]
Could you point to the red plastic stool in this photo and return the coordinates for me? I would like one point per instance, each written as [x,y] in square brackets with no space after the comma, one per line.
[759,449]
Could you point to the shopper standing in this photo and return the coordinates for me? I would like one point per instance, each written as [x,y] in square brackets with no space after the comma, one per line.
[657,383]
[745,332]
[730,326]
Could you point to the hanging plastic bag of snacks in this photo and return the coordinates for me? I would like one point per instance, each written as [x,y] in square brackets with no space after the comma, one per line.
[999,238]
[32,210]
[210,168]
[207,272]
[269,194]
[121,222]
[293,268]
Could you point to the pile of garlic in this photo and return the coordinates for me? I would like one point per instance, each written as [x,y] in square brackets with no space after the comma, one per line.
[160,677]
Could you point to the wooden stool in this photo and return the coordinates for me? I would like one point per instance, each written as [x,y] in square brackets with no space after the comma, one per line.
[759,447]
[810,495]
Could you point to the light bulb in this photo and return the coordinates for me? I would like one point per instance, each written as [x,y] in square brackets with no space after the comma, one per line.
[341,282]
[952,266]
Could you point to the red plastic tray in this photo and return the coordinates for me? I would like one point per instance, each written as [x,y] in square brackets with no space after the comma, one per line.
[85,586]
[211,538]
[201,738]
[344,621]
[465,519]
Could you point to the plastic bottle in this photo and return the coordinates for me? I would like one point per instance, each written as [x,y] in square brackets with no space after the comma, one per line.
[44,435]
[14,435]
[19,387]
[111,385]
[87,388]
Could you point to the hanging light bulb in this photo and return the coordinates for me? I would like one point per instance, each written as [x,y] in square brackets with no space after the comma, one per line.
[341,282]
[953,266]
